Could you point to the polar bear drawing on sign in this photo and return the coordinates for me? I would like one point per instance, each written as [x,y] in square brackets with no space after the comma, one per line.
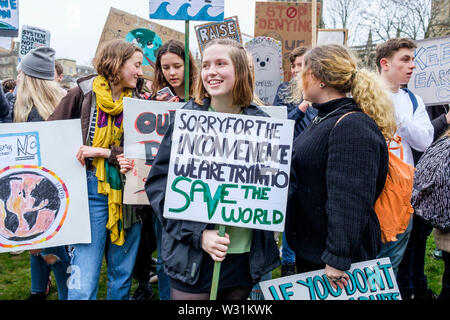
[266,53]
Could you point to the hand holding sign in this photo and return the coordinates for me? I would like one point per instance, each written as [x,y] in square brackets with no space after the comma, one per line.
[215,245]
[125,164]
[336,277]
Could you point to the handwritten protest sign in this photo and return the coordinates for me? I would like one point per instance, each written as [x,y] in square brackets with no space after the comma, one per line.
[431,78]
[31,38]
[9,18]
[148,35]
[200,10]
[288,22]
[42,204]
[229,28]
[268,62]
[145,123]
[229,170]
[332,36]
[369,280]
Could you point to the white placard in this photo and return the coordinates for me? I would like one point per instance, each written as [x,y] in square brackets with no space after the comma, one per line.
[332,36]
[32,38]
[9,18]
[431,77]
[144,123]
[229,169]
[268,62]
[279,112]
[43,190]
[369,280]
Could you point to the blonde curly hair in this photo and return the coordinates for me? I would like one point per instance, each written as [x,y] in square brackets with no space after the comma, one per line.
[338,68]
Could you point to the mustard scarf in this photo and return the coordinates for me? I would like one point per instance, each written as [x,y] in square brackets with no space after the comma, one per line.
[108,132]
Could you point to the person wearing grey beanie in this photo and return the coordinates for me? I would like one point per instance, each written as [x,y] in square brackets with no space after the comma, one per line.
[39,63]
[38,93]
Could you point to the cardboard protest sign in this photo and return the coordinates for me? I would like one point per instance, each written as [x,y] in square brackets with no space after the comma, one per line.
[268,62]
[32,38]
[229,169]
[288,22]
[332,36]
[145,123]
[9,18]
[42,203]
[431,77]
[199,10]
[148,35]
[229,28]
[369,280]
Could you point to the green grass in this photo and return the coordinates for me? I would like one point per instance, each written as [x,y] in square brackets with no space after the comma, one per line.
[15,279]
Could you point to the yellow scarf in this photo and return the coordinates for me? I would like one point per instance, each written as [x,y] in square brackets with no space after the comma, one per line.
[108,132]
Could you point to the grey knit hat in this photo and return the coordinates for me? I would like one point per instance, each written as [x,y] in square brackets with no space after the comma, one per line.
[39,63]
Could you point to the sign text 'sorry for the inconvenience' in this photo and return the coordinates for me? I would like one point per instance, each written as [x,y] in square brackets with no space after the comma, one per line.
[229,169]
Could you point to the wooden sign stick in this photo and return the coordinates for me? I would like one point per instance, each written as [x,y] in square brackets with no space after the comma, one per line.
[216,272]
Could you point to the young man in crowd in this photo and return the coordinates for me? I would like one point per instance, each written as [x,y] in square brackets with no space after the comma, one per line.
[395,62]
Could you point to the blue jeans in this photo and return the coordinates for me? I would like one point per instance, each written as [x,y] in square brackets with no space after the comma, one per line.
[396,249]
[40,271]
[87,258]
[163,278]
[287,255]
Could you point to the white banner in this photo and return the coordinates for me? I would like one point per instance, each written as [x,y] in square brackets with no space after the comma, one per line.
[369,280]
[229,169]
[32,38]
[43,190]
[9,18]
[145,123]
[199,10]
[268,62]
[431,77]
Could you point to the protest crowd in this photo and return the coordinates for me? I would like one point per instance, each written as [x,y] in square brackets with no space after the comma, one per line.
[349,125]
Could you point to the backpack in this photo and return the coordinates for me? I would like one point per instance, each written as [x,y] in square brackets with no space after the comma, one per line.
[413,99]
[393,206]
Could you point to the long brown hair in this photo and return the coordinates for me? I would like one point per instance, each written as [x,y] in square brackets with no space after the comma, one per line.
[244,85]
[111,57]
[175,47]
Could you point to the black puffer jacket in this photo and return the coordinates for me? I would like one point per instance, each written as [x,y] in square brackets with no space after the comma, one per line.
[181,250]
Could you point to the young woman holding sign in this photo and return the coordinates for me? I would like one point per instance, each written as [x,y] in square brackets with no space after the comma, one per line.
[189,249]
[98,101]
[339,166]
[168,84]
